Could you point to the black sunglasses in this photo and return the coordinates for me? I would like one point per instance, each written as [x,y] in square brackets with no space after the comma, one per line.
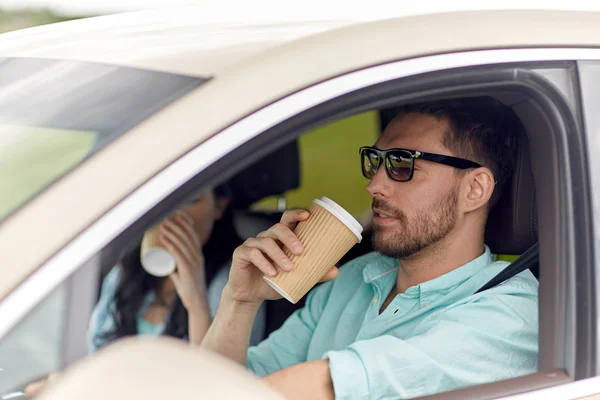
[400,163]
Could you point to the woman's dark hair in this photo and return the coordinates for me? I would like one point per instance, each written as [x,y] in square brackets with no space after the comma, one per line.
[135,283]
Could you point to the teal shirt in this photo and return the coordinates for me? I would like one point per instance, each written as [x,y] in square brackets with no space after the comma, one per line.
[437,336]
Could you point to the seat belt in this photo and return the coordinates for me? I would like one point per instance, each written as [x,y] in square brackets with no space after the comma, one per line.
[527,260]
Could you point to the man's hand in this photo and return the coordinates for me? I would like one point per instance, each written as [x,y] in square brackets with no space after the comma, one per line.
[310,380]
[229,333]
[263,255]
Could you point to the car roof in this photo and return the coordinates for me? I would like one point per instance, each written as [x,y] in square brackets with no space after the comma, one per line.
[193,41]
[268,72]
[182,40]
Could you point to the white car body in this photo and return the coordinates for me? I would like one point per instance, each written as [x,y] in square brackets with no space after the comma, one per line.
[260,74]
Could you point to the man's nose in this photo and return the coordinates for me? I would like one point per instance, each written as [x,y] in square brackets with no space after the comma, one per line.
[380,184]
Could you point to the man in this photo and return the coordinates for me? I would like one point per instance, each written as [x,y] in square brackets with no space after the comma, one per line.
[403,321]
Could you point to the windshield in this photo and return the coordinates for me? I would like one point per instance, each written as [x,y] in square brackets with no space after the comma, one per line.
[54,114]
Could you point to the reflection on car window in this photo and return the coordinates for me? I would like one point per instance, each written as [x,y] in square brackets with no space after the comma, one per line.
[56,113]
[30,157]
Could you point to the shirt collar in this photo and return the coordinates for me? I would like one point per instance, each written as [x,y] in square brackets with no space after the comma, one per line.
[379,267]
[458,275]
[382,267]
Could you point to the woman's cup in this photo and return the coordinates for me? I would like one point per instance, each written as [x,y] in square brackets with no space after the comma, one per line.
[327,234]
[154,256]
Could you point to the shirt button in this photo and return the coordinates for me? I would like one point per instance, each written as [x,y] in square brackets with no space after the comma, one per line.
[375,300]
[426,304]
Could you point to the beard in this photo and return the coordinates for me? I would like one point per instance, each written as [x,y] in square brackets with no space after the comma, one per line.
[426,228]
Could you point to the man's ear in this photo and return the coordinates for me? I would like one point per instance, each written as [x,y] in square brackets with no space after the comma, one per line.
[221,204]
[480,186]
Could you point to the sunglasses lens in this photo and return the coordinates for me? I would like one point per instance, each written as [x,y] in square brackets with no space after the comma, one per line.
[370,163]
[399,165]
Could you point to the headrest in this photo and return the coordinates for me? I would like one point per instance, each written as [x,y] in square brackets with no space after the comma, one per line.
[512,226]
[274,174]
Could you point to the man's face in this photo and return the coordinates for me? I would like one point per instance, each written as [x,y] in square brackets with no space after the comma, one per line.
[412,216]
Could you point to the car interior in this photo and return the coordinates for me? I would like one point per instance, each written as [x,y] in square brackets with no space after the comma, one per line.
[249,186]
[512,227]
[511,230]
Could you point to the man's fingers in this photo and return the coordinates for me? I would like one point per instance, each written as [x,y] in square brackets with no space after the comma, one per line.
[257,258]
[291,217]
[271,250]
[283,231]
[331,274]
[284,234]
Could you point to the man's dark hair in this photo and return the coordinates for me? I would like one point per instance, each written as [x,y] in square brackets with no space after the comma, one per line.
[480,129]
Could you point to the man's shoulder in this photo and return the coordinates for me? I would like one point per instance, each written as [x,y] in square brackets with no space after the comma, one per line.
[519,288]
[525,281]
[516,298]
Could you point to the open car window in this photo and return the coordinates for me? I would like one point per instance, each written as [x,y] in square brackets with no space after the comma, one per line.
[329,154]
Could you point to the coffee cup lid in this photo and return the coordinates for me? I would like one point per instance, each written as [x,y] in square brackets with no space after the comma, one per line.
[342,215]
[158,262]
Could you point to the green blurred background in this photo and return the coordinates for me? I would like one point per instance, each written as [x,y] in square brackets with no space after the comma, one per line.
[330,166]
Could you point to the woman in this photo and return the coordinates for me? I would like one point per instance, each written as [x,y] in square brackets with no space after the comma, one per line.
[133,302]
[183,304]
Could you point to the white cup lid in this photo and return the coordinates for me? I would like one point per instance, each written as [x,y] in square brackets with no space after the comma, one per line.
[158,262]
[342,215]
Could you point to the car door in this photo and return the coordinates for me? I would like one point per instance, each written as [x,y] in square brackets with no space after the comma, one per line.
[546,75]
[256,131]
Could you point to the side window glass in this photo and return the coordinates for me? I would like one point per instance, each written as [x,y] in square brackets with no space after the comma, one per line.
[34,347]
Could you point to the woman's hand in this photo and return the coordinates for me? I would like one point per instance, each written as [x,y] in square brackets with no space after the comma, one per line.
[180,238]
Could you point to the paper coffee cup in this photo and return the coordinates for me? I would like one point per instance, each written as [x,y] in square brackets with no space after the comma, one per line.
[328,234]
[155,258]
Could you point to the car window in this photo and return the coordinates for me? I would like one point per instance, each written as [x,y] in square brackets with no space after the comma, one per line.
[33,348]
[56,113]
[30,157]
[329,165]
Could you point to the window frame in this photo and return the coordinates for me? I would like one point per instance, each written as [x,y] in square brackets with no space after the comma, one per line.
[205,164]
[588,74]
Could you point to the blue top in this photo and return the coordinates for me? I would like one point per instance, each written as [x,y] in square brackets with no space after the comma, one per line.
[437,336]
[102,320]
